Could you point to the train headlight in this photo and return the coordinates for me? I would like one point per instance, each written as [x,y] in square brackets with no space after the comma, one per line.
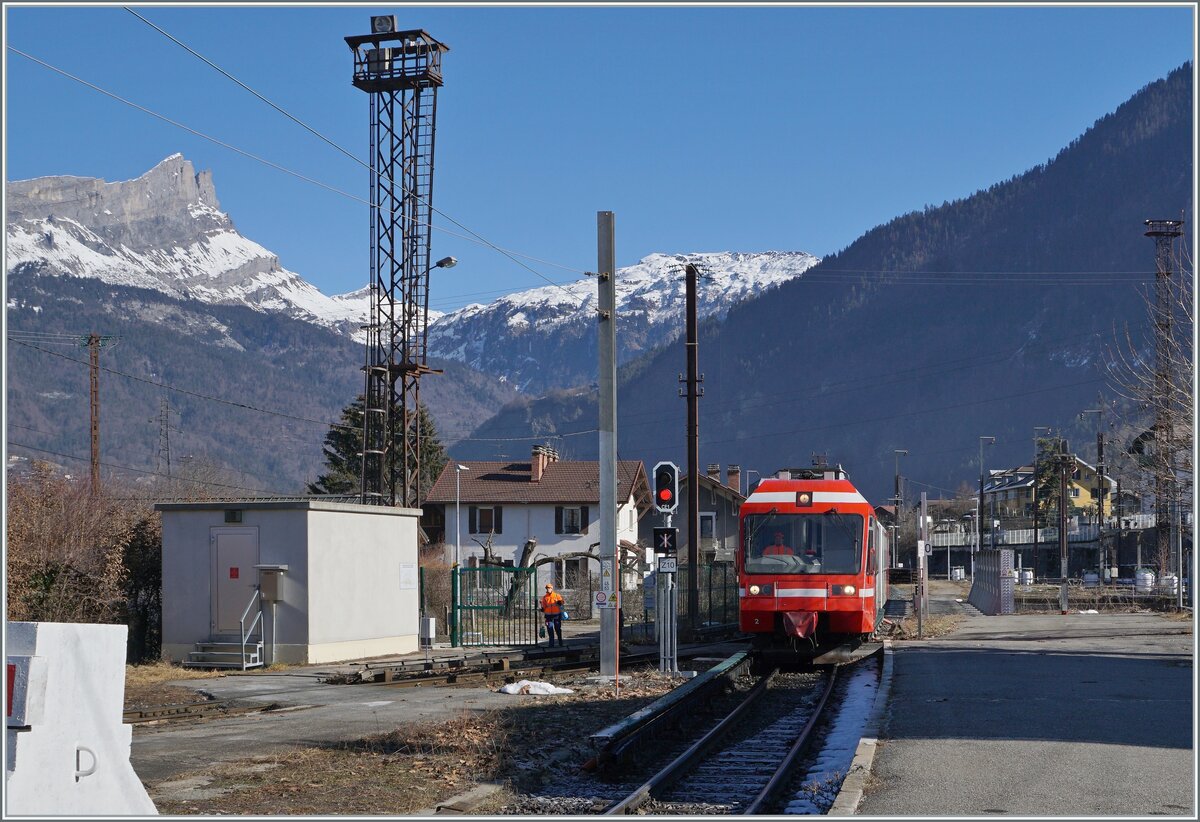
[754,589]
[765,588]
[844,590]
[849,589]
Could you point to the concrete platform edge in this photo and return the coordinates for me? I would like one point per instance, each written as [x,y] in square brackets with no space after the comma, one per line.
[851,792]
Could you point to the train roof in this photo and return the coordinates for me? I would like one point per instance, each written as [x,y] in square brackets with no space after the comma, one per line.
[784,492]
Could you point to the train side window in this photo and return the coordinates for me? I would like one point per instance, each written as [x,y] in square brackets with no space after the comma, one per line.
[871,547]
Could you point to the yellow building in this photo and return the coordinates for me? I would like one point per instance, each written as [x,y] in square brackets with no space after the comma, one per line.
[1010,491]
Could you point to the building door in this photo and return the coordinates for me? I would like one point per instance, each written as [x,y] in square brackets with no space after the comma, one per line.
[234,555]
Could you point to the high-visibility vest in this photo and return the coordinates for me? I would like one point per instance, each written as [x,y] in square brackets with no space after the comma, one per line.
[552,604]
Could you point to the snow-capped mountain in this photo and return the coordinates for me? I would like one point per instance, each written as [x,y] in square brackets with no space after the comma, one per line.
[163,231]
[542,338]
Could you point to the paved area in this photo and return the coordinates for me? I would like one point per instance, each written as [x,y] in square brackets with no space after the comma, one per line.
[1077,715]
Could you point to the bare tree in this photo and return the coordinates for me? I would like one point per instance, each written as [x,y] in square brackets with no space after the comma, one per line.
[1155,377]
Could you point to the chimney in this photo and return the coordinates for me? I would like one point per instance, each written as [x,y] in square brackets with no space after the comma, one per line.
[714,472]
[734,474]
[542,456]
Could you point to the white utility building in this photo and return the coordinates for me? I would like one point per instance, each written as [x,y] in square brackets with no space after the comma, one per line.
[247,582]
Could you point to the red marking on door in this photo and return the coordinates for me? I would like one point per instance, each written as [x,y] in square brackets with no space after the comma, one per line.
[233,573]
[12,682]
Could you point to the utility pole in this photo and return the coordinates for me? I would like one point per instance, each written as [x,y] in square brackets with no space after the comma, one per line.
[979,510]
[923,565]
[899,498]
[693,394]
[1066,466]
[1164,233]
[606,256]
[1101,483]
[94,343]
[1037,453]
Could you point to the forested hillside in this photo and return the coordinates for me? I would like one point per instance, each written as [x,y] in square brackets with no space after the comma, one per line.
[980,317]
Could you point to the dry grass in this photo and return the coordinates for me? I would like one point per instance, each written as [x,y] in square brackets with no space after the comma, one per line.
[401,772]
[935,626]
[1179,616]
[146,685]
[415,767]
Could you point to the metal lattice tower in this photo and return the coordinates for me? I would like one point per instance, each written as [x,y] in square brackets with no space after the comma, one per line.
[1164,233]
[164,437]
[401,71]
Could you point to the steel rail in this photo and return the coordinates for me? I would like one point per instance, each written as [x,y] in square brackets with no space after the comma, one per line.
[784,771]
[684,761]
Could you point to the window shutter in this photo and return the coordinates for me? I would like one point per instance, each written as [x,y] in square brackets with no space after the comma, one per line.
[558,517]
[472,519]
[498,520]
[583,520]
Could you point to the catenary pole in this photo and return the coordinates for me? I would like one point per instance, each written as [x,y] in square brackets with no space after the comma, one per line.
[607,344]
[693,451]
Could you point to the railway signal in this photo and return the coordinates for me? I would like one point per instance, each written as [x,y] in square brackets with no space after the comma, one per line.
[666,541]
[666,487]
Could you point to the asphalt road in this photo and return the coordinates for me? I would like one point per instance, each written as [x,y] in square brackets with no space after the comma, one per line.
[1078,715]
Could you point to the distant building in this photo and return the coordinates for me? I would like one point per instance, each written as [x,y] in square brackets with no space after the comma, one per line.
[1009,492]
[505,505]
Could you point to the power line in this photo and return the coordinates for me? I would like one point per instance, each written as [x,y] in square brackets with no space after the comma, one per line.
[313,131]
[192,393]
[139,470]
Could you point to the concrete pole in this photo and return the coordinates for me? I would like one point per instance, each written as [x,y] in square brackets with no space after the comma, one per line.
[693,450]
[925,540]
[606,255]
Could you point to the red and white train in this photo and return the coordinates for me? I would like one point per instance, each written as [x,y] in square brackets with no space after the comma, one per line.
[812,564]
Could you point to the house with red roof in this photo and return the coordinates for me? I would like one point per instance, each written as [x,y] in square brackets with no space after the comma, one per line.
[516,513]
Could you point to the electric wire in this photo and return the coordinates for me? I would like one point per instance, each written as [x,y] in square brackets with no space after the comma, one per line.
[313,131]
[298,175]
[195,394]
[143,471]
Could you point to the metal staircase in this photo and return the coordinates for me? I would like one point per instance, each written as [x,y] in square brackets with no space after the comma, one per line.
[242,651]
[226,652]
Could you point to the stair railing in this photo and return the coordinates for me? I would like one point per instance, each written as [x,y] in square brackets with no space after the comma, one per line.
[256,597]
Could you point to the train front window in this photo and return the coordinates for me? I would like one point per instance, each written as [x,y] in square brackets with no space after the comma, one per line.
[826,543]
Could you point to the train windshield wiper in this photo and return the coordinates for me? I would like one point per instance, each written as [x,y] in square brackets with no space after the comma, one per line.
[766,519]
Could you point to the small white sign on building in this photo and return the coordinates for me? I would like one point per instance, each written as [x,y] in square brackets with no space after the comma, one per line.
[408,576]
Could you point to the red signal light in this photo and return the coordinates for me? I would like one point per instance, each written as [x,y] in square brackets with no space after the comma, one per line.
[665,495]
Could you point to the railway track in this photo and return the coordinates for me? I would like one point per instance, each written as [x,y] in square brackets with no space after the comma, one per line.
[745,760]
[780,743]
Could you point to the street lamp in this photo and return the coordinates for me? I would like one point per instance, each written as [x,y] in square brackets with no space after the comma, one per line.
[979,511]
[748,483]
[445,262]
[456,575]
[458,469]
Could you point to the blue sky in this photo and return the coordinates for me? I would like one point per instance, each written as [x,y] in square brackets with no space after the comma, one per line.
[704,129]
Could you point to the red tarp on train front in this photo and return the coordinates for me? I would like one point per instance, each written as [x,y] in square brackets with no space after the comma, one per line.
[800,624]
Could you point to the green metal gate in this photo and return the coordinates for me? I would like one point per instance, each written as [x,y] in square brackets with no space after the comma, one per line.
[494,606]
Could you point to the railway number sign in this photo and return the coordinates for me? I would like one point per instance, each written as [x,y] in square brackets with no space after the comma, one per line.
[668,565]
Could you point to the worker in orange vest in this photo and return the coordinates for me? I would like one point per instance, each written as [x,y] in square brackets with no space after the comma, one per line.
[552,609]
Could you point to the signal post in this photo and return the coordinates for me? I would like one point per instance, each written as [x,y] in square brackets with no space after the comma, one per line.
[666,544]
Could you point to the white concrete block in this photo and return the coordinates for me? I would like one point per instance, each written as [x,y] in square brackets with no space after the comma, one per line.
[70,755]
